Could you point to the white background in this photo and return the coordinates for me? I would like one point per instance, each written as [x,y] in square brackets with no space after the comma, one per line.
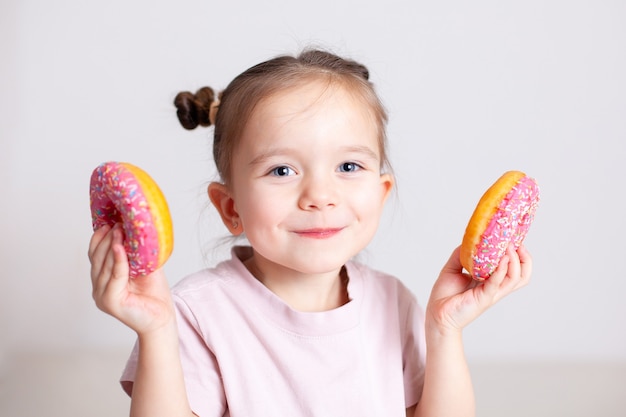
[473,89]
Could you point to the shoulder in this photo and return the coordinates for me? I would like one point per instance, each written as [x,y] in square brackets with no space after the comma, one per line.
[378,281]
[205,279]
[220,277]
[383,294]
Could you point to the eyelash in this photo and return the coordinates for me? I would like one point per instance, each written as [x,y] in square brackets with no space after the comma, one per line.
[354,165]
[275,171]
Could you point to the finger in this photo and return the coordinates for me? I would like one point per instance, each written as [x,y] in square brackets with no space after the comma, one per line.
[100,246]
[120,269]
[117,276]
[512,278]
[454,262]
[452,279]
[104,260]
[101,280]
[518,272]
[514,263]
[526,264]
[493,283]
[95,240]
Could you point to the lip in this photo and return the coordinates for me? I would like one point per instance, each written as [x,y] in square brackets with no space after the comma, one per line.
[319,233]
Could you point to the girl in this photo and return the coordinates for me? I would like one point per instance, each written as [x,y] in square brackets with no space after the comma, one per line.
[291,326]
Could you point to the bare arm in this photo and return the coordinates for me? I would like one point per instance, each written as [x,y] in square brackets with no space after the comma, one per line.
[144,304]
[456,300]
[448,389]
[159,387]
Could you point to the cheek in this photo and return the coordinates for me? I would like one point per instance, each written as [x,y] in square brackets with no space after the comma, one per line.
[259,210]
[370,198]
[368,208]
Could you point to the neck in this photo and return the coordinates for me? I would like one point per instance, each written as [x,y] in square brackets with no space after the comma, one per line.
[303,292]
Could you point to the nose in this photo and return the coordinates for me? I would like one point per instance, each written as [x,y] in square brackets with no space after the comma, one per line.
[318,193]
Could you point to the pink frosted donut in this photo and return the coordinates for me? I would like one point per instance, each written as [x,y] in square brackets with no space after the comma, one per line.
[123,193]
[503,216]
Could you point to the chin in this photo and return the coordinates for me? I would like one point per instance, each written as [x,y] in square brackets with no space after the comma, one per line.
[322,263]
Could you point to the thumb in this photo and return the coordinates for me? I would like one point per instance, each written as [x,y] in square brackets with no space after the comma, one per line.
[453,265]
[452,280]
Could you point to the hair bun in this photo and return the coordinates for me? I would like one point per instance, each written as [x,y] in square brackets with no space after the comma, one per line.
[193,109]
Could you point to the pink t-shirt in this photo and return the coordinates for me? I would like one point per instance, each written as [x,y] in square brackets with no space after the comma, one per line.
[245,352]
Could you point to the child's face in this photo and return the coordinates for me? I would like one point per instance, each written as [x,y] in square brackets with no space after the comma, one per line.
[306,179]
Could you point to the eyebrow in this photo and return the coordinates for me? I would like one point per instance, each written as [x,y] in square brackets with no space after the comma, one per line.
[273,152]
[264,156]
[365,150]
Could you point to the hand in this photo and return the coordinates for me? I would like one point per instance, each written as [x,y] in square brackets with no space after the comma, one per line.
[142,303]
[457,299]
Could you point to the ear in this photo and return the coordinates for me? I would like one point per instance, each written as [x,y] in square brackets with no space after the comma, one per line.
[222,199]
[386,182]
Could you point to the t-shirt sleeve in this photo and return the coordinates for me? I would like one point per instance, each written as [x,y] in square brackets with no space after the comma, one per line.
[201,372]
[413,352]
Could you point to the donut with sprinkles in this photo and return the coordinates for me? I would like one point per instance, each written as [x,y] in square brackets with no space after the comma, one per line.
[502,217]
[120,192]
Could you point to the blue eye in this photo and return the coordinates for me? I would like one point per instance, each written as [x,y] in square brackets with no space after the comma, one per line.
[282,171]
[349,167]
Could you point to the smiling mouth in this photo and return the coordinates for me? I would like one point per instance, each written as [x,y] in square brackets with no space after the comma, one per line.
[319,233]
